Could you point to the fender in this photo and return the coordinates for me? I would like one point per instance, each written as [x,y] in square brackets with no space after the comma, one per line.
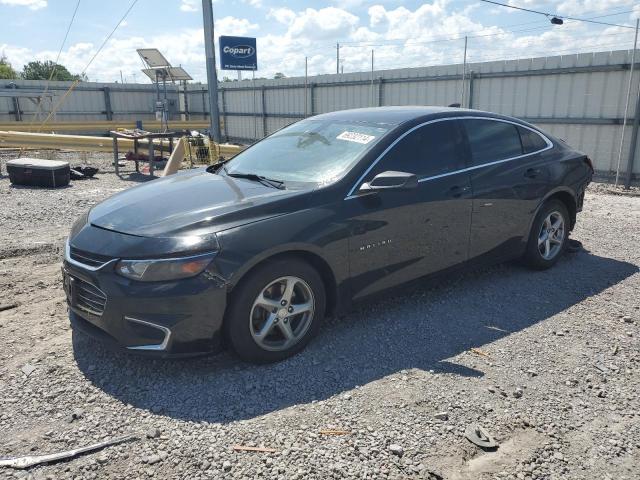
[293,248]
[549,194]
[337,285]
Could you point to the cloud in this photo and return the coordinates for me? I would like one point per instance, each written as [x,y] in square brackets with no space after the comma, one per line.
[429,34]
[189,5]
[254,3]
[282,15]
[234,26]
[31,4]
[377,16]
[329,22]
[348,4]
[185,48]
[579,7]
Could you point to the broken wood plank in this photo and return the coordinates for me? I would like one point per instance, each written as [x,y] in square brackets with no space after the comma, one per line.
[244,448]
[28,461]
[477,351]
[7,306]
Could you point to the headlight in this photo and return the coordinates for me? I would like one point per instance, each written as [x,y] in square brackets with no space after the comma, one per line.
[164,269]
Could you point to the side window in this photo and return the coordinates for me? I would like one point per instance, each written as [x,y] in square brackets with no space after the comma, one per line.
[491,140]
[428,151]
[531,141]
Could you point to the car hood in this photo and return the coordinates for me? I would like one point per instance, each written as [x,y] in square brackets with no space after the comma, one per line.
[189,202]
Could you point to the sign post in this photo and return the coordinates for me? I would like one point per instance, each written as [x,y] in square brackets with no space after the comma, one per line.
[212,79]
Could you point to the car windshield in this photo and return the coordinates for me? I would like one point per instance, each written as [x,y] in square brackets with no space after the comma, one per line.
[315,151]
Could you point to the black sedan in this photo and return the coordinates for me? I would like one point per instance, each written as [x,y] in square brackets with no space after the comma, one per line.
[327,211]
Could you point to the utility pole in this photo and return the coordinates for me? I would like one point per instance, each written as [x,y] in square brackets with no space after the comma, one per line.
[626,107]
[212,80]
[306,83]
[371,89]
[337,57]
[464,71]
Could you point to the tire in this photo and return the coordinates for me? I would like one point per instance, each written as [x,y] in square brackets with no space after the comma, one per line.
[256,322]
[542,256]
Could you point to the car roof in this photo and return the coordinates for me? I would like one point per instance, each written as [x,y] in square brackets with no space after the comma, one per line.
[400,114]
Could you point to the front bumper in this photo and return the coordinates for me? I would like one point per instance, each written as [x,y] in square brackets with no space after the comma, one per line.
[175,318]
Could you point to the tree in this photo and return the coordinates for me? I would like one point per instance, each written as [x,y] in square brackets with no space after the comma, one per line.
[6,70]
[279,75]
[38,70]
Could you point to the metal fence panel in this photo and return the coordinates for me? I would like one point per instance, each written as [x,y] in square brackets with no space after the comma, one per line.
[580,98]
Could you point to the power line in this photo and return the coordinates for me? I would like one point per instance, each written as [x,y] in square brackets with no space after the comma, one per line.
[461,37]
[319,49]
[110,35]
[55,64]
[73,85]
[406,44]
[540,51]
[64,40]
[547,14]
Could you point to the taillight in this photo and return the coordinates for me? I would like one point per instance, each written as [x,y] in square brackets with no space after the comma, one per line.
[588,161]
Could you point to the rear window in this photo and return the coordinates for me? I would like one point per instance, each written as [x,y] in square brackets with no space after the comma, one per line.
[491,140]
[531,141]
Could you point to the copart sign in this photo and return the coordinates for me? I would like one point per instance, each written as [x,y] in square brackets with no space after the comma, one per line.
[238,53]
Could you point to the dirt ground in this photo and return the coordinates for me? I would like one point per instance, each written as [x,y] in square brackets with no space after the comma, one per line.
[547,362]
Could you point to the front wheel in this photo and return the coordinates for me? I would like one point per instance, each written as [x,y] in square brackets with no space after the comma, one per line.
[548,237]
[276,311]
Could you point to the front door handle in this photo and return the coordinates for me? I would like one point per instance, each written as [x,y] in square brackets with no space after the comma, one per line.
[532,172]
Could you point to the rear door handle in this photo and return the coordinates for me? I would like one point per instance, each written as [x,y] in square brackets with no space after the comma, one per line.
[532,172]
[457,191]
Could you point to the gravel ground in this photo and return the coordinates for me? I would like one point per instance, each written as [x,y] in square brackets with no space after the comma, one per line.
[554,375]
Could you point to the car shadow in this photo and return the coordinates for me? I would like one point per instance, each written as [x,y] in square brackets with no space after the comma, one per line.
[139,177]
[420,328]
[14,186]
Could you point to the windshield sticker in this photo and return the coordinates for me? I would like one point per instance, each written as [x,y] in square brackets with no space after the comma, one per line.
[355,137]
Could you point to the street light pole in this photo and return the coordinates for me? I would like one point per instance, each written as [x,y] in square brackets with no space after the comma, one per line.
[212,80]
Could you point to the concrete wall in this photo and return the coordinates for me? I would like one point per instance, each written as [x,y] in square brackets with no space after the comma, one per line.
[580,98]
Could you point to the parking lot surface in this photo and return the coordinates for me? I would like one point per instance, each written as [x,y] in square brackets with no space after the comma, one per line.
[547,362]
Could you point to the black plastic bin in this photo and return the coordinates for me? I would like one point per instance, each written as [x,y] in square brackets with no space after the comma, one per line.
[38,173]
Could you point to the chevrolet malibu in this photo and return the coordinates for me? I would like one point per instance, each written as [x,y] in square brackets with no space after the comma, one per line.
[328,211]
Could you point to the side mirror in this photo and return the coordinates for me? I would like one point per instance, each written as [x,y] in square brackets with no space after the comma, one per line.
[391,181]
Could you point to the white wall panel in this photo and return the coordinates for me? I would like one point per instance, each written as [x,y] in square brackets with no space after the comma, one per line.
[571,98]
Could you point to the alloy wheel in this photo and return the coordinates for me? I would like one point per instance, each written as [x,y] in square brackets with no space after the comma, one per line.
[551,236]
[282,313]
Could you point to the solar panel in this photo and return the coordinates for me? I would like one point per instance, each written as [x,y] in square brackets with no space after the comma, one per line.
[151,73]
[153,58]
[178,73]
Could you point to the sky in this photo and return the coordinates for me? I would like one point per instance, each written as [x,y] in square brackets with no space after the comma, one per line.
[401,33]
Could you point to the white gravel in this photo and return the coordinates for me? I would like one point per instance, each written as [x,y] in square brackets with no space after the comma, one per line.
[553,378]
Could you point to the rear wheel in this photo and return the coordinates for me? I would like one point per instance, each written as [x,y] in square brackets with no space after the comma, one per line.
[276,311]
[548,237]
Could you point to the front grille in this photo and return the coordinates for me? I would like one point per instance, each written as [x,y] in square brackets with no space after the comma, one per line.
[87,258]
[88,298]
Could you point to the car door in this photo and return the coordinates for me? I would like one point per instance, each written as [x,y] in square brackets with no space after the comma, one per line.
[399,235]
[509,176]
